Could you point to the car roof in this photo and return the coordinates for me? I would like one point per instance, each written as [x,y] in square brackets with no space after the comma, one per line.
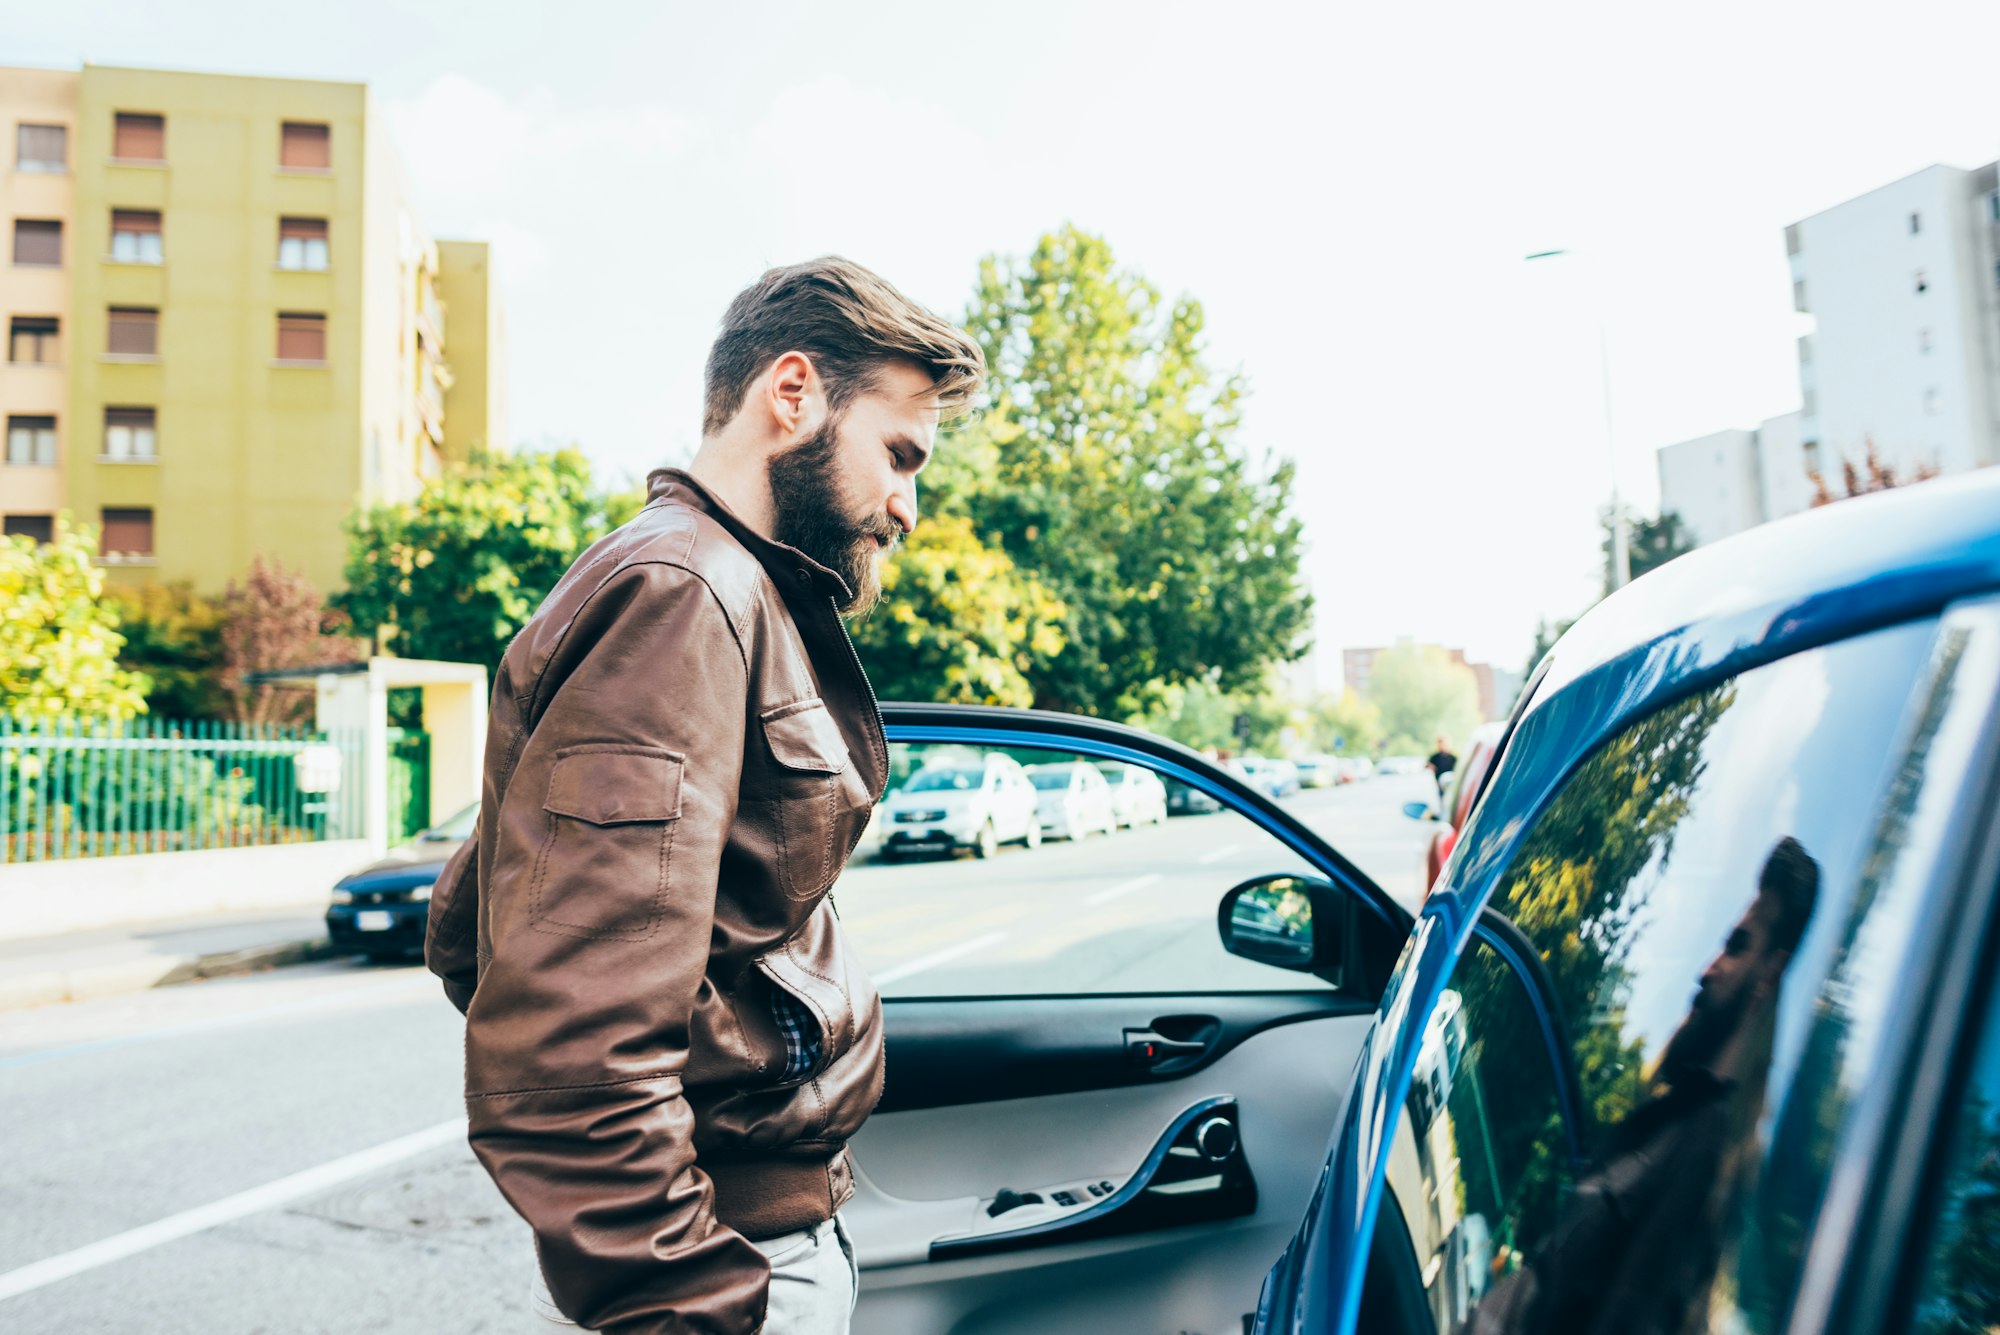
[1830,573]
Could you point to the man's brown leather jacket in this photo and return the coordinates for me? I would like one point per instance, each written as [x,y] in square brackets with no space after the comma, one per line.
[682,753]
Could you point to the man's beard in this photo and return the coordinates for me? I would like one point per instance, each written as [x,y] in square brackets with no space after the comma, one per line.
[1701,1035]
[808,498]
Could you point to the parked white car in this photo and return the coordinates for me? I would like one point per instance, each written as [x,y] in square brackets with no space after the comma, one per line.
[1137,795]
[1073,800]
[978,805]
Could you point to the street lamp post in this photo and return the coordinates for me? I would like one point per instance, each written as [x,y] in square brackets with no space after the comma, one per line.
[1621,559]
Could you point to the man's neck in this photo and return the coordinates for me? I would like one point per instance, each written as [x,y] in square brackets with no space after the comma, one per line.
[734,471]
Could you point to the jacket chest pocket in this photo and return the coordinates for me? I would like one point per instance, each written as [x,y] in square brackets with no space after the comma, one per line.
[817,801]
[611,813]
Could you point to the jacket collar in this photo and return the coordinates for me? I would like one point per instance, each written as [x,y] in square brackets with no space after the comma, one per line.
[777,557]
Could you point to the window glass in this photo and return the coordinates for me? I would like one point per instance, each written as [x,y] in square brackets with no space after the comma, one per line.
[1681,904]
[1959,1286]
[1033,884]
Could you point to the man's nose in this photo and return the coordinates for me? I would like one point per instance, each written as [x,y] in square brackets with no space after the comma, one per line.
[903,509]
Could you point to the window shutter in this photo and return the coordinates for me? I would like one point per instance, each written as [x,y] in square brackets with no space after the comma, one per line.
[43,147]
[301,338]
[37,241]
[135,332]
[127,533]
[139,138]
[306,145]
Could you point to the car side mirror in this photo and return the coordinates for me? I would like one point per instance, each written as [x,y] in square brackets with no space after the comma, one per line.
[1420,811]
[1291,922]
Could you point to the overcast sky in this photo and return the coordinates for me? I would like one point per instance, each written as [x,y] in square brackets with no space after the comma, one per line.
[1348,189]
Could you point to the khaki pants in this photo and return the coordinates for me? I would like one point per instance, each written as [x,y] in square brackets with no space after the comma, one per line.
[814,1282]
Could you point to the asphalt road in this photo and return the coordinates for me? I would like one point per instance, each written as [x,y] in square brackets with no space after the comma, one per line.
[284,1152]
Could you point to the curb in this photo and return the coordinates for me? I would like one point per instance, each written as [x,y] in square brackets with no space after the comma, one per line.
[103,980]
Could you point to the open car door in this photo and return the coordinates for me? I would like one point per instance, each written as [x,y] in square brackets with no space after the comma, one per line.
[1108,1092]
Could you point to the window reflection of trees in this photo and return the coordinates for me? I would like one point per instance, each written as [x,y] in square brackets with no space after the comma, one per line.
[1576,890]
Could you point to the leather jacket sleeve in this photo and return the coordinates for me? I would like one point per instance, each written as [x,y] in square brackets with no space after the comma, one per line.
[600,905]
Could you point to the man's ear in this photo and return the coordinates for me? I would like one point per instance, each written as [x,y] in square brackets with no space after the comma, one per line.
[793,395]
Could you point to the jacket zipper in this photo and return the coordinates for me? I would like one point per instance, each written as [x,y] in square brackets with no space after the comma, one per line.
[880,737]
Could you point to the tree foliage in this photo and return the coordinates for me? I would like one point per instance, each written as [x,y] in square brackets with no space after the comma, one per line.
[1870,473]
[1421,695]
[1108,468]
[958,623]
[173,635]
[456,572]
[1650,544]
[59,637]
[274,619]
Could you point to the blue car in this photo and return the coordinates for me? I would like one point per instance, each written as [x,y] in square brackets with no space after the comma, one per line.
[1696,1032]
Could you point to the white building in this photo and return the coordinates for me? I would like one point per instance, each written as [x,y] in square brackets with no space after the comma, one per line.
[1903,285]
[1728,481]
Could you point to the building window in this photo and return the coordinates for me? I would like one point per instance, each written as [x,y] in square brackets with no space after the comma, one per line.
[129,434]
[38,241]
[32,338]
[1798,294]
[31,441]
[307,146]
[1923,283]
[127,536]
[135,236]
[1916,223]
[39,528]
[41,148]
[1923,340]
[1931,399]
[134,332]
[302,243]
[137,137]
[301,338]
[1993,205]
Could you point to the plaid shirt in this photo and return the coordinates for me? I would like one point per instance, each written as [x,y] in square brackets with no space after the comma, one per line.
[801,1031]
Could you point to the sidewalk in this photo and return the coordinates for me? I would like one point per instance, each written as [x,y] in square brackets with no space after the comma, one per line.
[36,971]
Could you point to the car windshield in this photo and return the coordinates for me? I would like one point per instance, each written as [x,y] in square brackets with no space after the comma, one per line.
[945,780]
[1050,778]
[457,830]
[1113,773]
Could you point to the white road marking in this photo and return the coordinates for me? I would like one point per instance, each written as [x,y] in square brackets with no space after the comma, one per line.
[1217,855]
[286,1189]
[1122,888]
[935,958]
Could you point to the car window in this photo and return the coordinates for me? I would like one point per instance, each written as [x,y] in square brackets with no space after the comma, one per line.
[1683,900]
[458,829]
[936,780]
[946,897]
[1958,1285]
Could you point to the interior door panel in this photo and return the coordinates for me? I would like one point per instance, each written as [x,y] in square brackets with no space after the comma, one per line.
[1276,1067]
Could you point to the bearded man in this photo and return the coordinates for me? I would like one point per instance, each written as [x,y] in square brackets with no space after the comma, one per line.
[668,1043]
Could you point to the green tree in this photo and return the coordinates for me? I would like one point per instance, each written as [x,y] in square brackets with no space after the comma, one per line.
[59,637]
[1423,694]
[1108,467]
[958,623]
[1650,543]
[456,572]
[173,635]
[1346,718]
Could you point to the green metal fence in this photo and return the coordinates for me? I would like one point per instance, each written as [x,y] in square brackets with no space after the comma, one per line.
[72,789]
[409,783]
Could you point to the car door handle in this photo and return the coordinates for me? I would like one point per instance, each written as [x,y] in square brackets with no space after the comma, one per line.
[1147,1047]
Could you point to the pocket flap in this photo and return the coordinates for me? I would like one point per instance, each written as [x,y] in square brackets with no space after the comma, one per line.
[615,785]
[804,736]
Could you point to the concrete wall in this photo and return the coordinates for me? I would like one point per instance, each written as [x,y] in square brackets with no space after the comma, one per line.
[1712,483]
[44,898]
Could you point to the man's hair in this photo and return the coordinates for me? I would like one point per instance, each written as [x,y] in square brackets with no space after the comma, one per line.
[850,323]
[1791,877]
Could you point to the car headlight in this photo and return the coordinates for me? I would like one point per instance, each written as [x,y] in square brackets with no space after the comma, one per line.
[420,894]
[343,897]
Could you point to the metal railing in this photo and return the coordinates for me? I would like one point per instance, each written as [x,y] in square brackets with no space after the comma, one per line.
[80,789]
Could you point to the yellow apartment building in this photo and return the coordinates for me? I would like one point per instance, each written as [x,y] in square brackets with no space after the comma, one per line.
[250,325]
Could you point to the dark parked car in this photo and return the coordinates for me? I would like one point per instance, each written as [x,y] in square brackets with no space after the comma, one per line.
[380,911]
[1699,1030]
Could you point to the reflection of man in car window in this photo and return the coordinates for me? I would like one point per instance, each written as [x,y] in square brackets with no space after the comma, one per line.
[1637,1246]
